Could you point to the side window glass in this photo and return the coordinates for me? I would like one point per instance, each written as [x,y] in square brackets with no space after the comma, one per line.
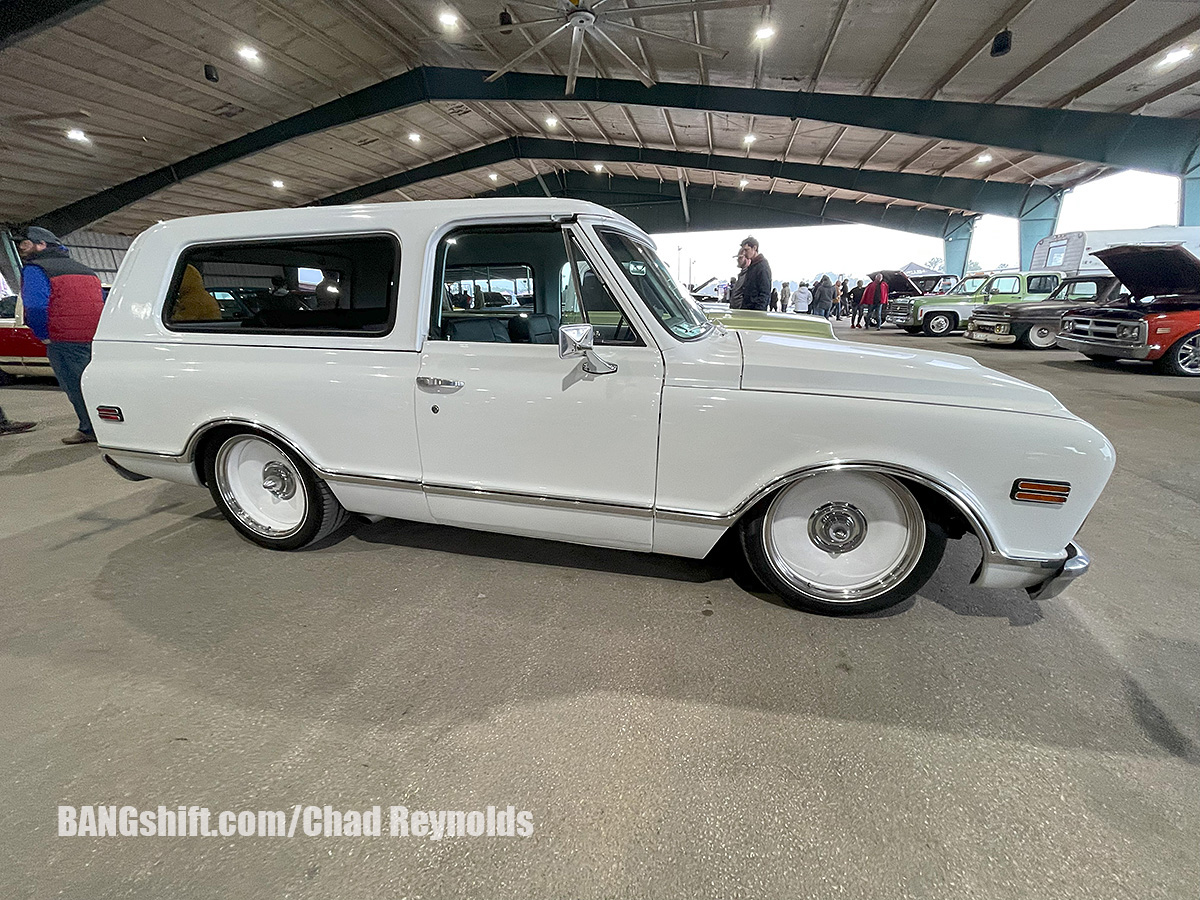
[1042,284]
[498,284]
[1082,290]
[1006,286]
[311,286]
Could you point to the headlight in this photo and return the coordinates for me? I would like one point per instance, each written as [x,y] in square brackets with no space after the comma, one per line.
[1002,329]
[1127,331]
[1068,325]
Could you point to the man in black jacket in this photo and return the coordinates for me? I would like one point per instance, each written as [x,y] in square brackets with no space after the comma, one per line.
[756,293]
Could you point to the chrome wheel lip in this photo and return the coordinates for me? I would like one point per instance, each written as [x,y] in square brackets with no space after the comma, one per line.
[229,493]
[883,582]
[1189,355]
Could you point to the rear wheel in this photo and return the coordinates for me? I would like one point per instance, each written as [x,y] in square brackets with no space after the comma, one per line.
[1039,337]
[939,323]
[1183,358]
[269,495]
[842,542]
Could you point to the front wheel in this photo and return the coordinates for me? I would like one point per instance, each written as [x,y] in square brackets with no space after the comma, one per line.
[269,495]
[912,329]
[939,323]
[1183,358]
[1039,337]
[839,543]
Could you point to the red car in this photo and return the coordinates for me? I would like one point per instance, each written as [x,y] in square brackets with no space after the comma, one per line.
[21,353]
[1160,322]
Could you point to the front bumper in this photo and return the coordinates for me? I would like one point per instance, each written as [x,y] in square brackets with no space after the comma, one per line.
[989,337]
[1041,578]
[1104,348]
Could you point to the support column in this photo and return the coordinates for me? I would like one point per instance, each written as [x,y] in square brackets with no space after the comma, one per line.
[957,247]
[1189,192]
[1038,221]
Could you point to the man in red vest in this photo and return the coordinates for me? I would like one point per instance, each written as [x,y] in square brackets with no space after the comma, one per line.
[62,301]
[874,299]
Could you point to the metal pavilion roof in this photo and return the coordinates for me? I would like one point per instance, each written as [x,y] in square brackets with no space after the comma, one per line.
[130,75]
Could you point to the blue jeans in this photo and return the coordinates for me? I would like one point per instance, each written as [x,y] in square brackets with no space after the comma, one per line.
[68,361]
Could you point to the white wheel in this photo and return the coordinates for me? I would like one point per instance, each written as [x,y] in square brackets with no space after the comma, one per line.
[268,495]
[843,542]
[261,486]
[939,323]
[1040,337]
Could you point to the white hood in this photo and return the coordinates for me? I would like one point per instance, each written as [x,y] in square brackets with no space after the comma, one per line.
[784,362]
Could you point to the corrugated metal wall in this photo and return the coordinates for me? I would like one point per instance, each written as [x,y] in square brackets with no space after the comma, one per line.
[103,252]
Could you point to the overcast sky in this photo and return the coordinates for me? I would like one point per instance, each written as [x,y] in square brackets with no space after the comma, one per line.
[1124,200]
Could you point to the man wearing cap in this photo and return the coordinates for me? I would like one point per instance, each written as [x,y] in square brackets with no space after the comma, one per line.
[62,301]
[756,290]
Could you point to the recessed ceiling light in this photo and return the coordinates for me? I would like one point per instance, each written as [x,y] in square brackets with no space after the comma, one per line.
[599,167]
[984,158]
[743,183]
[277,184]
[765,32]
[749,139]
[493,176]
[551,122]
[248,53]
[448,19]
[1176,56]
[76,134]
[414,137]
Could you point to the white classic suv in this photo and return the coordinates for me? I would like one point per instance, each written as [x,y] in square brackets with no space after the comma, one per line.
[529,366]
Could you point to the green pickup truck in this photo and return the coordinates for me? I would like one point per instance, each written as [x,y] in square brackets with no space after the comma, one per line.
[940,314]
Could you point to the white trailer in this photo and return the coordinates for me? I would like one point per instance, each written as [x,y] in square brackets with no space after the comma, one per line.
[1071,252]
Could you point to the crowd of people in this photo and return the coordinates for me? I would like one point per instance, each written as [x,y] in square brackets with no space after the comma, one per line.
[751,288]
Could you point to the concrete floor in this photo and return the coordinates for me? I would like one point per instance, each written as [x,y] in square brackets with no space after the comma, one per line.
[672,734]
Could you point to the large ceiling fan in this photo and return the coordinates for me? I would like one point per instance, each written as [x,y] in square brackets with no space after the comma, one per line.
[591,19]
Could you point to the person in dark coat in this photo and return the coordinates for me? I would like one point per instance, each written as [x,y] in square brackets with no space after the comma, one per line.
[62,299]
[774,300]
[824,297]
[739,282]
[756,294]
[856,307]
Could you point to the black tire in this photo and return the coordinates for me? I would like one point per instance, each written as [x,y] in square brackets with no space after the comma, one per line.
[1183,358]
[321,513]
[1038,337]
[1105,362]
[912,329]
[939,324]
[894,584]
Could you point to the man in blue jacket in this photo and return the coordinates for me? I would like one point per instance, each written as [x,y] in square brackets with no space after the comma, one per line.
[62,299]
[756,292]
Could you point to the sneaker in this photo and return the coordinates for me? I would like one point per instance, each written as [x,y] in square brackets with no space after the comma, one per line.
[16,427]
[79,438]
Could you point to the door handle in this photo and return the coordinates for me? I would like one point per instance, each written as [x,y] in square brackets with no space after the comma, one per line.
[444,385]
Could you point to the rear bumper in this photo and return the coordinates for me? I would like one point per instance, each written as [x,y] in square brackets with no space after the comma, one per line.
[1096,348]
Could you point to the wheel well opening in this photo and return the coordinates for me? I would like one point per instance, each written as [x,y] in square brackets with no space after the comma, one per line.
[940,509]
[208,444]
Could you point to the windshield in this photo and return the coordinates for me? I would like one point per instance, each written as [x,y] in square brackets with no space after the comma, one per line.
[969,285]
[677,312]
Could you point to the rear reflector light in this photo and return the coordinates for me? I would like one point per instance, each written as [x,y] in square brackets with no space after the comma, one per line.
[110,413]
[1028,491]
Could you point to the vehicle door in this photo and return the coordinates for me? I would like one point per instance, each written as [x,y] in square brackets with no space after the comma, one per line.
[513,437]
[1003,289]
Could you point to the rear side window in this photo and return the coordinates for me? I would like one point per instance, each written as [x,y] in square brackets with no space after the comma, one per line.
[1042,284]
[335,285]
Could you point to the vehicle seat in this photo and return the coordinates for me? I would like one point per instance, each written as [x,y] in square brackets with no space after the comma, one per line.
[534,328]
[477,329]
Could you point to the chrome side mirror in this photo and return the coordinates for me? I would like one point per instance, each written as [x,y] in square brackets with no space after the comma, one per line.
[575,340]
[578,340]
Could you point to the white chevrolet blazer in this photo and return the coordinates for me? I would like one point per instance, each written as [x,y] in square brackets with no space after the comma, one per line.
[529,366]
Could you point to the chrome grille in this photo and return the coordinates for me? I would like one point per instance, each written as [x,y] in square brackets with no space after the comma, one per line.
[899,309]
[1100,329]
